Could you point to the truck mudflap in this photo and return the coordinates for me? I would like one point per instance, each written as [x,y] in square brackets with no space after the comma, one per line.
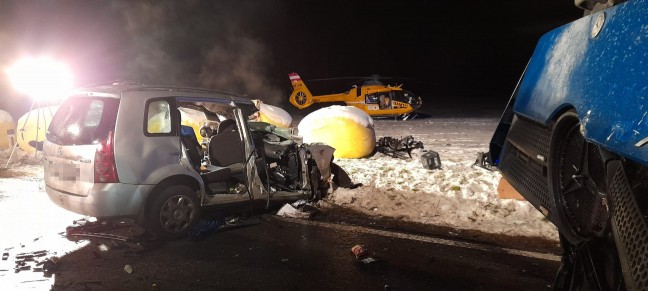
[628,227]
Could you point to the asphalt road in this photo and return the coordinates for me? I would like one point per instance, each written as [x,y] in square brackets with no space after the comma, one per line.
[274,254]
[288,254]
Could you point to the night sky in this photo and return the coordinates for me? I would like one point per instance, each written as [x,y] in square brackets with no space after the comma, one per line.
[449,52]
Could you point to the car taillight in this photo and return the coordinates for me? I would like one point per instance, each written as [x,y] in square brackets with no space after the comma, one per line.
[105,170]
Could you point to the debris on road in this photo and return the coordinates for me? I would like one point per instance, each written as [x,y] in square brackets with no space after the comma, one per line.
[431,160]
[341,178]
[300,209]
[204,228]
[128,269]
[358,251]
[5,256]
[397,148]
[362,255]
[34,261]
[30,256]
[483,161]
[368,260]
[50,264]
[238,221]
[292,212]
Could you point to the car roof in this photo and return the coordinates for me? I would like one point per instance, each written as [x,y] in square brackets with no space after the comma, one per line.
[135,90]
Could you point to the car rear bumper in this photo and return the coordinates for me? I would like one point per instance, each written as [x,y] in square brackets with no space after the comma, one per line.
[104,200]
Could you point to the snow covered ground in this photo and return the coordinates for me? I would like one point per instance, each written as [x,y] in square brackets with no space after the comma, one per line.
[459,195]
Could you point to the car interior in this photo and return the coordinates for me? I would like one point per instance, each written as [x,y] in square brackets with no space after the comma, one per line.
[219,158]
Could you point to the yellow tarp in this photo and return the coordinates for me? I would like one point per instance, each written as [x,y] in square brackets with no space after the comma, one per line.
[6,123]
[37,123]
[347,129]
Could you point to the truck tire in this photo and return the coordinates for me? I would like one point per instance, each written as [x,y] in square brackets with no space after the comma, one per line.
[578,180]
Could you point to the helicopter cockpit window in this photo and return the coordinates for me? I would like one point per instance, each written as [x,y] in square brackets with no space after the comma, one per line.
[400,96]
[371,98]
[404,96]
[385,100]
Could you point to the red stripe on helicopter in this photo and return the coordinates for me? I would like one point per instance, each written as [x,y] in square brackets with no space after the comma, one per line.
[294,77]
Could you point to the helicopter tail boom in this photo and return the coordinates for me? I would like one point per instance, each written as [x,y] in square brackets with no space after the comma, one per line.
[301,97]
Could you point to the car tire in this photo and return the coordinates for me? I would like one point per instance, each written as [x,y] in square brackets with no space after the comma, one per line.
[173,212]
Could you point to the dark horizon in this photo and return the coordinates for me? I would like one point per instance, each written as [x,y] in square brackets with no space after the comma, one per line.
[470,51]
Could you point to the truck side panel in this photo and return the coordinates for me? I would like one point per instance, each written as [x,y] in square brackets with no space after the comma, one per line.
[602,75]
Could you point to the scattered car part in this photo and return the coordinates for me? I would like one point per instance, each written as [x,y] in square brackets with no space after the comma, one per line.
[34,261]
[204,228]
[483,161]
[431,160]
[398,147]
[358,251]
[289,211]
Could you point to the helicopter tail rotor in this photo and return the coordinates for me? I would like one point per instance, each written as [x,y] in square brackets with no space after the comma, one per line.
[301,97]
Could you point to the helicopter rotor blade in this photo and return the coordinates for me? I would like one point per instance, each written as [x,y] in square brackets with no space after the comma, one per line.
[375,77]
[334,79]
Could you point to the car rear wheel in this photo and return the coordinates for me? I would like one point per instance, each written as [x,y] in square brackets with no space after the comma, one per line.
[173,212]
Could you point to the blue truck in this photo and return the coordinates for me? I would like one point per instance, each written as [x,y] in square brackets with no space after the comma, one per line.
[573,140]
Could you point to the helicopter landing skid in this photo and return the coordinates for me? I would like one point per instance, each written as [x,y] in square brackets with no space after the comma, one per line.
[413,115]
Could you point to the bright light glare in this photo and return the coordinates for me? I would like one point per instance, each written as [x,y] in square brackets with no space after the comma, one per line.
[74,129]
[41,78]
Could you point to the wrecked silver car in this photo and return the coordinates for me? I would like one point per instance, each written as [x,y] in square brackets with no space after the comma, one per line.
[129,150]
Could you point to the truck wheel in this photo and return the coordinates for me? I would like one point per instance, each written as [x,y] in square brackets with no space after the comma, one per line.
[578,181]
[173,212]
[577,177]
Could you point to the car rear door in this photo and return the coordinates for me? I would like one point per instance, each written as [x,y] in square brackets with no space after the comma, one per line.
[79,127]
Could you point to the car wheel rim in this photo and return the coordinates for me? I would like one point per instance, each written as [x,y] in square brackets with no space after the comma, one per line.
[177,213]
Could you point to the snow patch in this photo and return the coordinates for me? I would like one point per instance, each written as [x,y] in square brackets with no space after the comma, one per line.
[312,120]
[459,195]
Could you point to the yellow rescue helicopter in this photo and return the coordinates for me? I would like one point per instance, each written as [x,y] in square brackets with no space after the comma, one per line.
[372,97]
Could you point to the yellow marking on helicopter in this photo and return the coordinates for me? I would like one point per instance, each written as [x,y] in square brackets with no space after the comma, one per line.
[373,97]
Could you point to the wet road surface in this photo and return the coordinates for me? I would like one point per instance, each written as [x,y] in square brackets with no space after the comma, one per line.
[275,254]
[283,254]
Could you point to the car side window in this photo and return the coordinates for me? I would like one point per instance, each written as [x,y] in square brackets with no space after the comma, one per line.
[158,117]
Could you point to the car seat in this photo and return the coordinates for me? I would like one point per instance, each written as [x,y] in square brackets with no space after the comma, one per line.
[226,147]
[210,174]
[227,125]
